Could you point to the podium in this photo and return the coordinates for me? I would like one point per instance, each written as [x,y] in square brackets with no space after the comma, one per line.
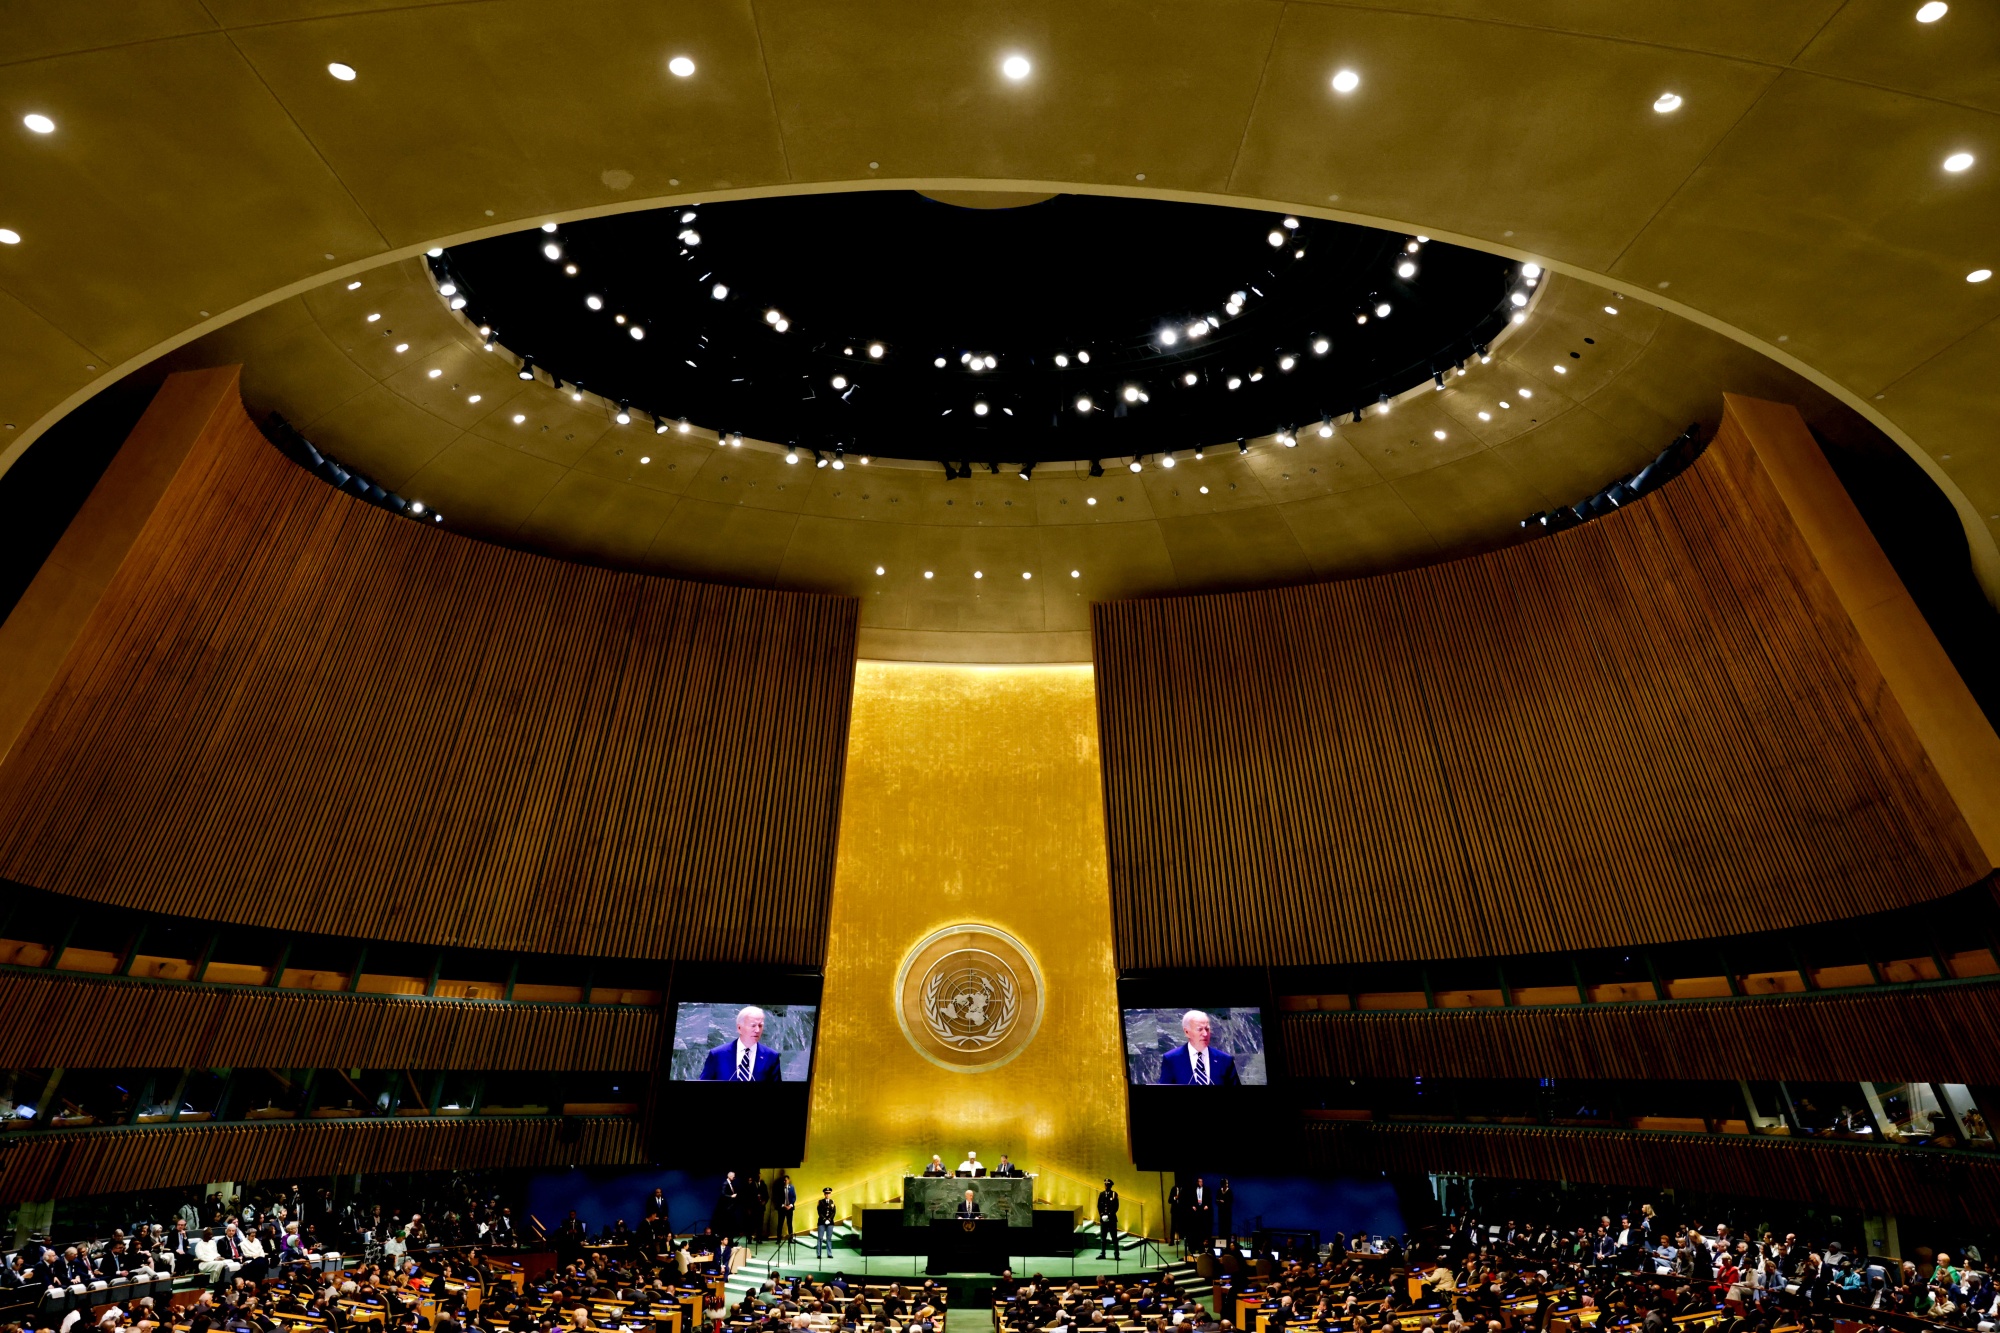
[1009,1198]
[967,1245]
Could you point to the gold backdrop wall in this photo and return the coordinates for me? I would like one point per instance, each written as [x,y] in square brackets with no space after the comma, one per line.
[972,795]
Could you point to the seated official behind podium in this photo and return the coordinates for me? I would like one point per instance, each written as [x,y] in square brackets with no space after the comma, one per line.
[1195,1064]
[747,1059]
[969,1207]
[1007,1170]
[936,1168]
[970,1166]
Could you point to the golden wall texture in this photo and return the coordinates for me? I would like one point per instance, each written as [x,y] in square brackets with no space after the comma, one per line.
[972,796]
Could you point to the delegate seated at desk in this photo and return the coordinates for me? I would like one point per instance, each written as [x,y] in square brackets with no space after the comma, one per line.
[971,1166]
[936,1168]
[969,1207]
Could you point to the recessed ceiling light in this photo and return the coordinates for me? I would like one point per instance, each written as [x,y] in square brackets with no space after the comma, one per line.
[1319,346]
[1235,383]
[1077,573]
[840,381]
[1346,81]
[594,302]
[39,123]
[1083,404]
[1131,393]
[1016,68]
[645,458]
[880,570]
[1560,370]
[402,347]
[1666,102]
[1188,378]
[1286,362]
[1276,237]
[1382,310]
[927,573]
[1486,416]
[473,399]
[1026,575]
[720,291]
[1958,162]
[1932,12]
[1979,275]
[638,334]
[940,363]
[435,373]
[1437,434]
[979,409]
[1611,310]
[1406,269]
[1526,393]
[519,417]
[373,317]
[345,73]
[875,350]
[680,67]
[1091,500]
[979,573]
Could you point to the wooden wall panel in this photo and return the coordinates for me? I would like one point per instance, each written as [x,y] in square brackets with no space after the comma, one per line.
[293,709]
[1891,1180]
[53,1165]
[1657,726]
[136,1025]
[1950,1034]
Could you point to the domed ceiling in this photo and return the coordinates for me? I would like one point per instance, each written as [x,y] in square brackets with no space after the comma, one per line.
[986,564]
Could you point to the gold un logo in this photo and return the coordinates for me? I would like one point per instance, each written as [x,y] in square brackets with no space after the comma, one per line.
[969,998]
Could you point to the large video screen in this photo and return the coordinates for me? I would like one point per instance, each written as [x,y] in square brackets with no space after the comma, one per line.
[1218,1048]
[743,1043]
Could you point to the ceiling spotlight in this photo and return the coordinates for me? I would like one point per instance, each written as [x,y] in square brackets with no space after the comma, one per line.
[1346,81]
[638,334]
[1083,404]
[1027,471]
[1979,275]
[1486,416]
[1326,428]
[1197,453]
[1526,393]
[570,269]
[352,285]
[1611,310]
[1357,416]
[645,458]
[992,362]
[687,217]
[458,303]
[1932,12]
[1437,380]
[1406,269]
[1382,310]
[1287,362]
[1083,358]
[402,347]
[1198,329]
[1437,435]
[1519,298]
[375,316]
[690,237]
[576,393]
[1096,470]
[1168,337]
[552,250]
[39,123]
[819,459]
[1320,346]
[720,291]
[840,381]
[1531,270]
[345,73]
[1136,466]
[659,426]
[1276,238]
[1382,403]
[792,454]
[1166,460]
[939,363]
[624,417]
[1061,359]
[618,319]
[979,409]
[549,227]
[1485,355]
[1131,393]
[527,370]
[1560,370]
[448,289]
[1958,162]
[736,439]
[879,570]
[839,458]
[1235,382]
[474,398]
[435,373]
[1666,102]
[1361,317]
[875,350]
[1289,440]
[1016,67]
[772,317]
[520,417]
[1188,378]
[680,67]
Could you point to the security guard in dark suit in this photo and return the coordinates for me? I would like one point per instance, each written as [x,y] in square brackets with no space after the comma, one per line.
[1107,1219]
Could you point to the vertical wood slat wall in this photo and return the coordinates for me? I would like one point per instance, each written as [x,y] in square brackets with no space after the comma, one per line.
[58,1165]
[1657,726]
[293,709]
[80,1023]
[1884,1179]
[1950,1034]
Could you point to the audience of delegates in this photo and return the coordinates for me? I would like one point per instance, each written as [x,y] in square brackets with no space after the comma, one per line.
[1150,1301]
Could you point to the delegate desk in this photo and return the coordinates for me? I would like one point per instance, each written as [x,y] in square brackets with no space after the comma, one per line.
[927,1198]
[972,1245]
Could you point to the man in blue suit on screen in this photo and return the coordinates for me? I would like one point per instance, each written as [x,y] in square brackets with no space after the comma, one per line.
[747,1059]
[1196,1064]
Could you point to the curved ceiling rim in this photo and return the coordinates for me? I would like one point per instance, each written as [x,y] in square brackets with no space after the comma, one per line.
[1981,544]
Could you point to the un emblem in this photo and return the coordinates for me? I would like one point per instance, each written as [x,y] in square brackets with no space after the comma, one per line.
[969,998]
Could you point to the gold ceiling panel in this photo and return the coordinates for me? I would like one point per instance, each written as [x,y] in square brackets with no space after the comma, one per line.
[1795,195]
[1438,134]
